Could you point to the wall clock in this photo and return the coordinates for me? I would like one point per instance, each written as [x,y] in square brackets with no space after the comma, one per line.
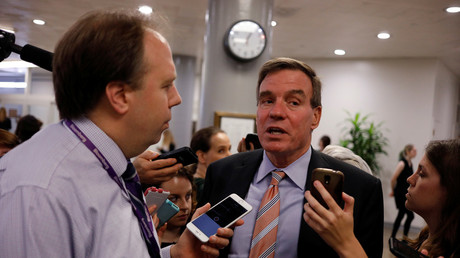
[245,40]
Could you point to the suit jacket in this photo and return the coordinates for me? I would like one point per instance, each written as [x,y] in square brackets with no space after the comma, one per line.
[235,173]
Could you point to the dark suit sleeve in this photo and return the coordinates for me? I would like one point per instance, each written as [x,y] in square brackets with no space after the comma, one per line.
[369,218]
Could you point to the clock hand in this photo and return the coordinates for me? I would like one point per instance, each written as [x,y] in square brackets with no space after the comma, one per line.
[247,38]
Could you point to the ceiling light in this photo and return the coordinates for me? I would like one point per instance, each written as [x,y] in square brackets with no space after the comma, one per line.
[39,22]
[145,9]
[7,29]
[16,64]
[273,23]
[339,52]
[383,35]
[453,9]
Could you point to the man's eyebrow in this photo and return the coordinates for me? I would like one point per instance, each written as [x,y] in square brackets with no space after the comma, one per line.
[297,92]
[265,93]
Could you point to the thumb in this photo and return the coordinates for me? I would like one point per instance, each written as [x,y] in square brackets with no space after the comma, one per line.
[148,154]
[201,210]
[349,202]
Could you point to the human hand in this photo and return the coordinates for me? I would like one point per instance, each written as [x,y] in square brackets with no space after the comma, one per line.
[425,252]
[189,246]
[242,146]
[335,226]
[157,171]
[392,193]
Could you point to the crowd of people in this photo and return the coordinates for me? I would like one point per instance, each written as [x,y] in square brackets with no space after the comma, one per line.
[114,81]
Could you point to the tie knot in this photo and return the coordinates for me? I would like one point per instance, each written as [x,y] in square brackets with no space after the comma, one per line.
[130,172]
[277,176]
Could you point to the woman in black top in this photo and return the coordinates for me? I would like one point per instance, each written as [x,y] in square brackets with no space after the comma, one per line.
[399,187]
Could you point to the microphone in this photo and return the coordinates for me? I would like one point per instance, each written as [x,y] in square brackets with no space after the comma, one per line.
[28,53]
[37,56]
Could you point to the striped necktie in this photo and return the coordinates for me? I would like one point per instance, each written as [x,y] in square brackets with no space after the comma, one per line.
[264,236]
[140,209]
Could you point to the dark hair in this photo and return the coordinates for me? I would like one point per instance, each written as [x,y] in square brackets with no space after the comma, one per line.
[27,126]
[444,156]
[201,140]
[284,63]
[405,151]
[325,140]
[101,47]
[8,139]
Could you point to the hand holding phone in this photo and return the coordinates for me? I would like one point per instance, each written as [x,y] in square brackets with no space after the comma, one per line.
[155,196]
[221,215]
[183,155]
[402,250]
[254,139]
[332,180]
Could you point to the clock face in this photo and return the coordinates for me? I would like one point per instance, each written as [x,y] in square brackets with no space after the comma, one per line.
[245,40]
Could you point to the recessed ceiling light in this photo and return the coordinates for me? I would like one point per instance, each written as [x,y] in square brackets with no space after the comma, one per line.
[7,29]
[39,22]
[339,52]
[273,23]
[145,9]
[453,9]
[383,35]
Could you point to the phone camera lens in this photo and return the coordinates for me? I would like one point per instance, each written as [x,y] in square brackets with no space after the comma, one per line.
[327,179]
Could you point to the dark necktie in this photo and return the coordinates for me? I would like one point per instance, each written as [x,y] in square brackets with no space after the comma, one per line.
[140,209]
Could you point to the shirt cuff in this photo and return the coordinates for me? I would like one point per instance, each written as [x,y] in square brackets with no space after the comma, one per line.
[166,252]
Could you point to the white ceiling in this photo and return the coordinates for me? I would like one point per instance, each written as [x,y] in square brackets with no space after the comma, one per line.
[306,29]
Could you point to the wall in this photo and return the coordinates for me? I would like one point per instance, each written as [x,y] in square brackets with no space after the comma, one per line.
[401,93]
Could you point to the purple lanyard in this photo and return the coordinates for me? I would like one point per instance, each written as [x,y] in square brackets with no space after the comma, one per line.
[147,228]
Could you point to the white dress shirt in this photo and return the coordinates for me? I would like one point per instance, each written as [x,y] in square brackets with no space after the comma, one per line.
[56,200]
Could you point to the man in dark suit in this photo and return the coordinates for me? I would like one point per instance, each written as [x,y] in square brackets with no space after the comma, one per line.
[289,109]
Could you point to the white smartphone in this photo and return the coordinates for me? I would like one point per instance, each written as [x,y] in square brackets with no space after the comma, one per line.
[221,215]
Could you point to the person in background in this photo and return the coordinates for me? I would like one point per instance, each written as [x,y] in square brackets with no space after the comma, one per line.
[181,194]
[323,142]
[167,143]
[5,121]
[288,110]
[209,144]
[27,126]
[7,141]
[434,194]
[71,190]
[348,156]
[399,187]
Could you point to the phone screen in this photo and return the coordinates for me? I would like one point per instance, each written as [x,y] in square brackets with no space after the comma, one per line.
[219,216]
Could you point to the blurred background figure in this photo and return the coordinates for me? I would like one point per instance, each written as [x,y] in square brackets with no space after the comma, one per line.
[28,125]
[399,185]
[347,156]
[182,194]
[5,121]
[167,143]
[7,141]
[209,144]
[323,142]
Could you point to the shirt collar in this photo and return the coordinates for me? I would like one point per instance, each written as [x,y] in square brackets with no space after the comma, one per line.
[296,171]
[104,143]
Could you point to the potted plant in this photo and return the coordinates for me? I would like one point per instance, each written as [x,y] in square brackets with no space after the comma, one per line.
[364,138]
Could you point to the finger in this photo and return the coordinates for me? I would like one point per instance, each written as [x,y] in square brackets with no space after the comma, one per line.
[314,204]
[349,202]
[242,145]
[209,250]
[251,146]
[220,242]
[152,209]
[201,210]
[148,154]
[333,206]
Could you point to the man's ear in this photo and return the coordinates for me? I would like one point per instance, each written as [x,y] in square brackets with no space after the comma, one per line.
[116,96]
[316,117]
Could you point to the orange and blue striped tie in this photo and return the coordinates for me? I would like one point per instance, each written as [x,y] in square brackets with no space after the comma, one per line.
[264,236]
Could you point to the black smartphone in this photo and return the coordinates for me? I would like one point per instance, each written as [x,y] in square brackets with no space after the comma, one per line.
[402,250]
[332,181]
[183,155]
[252,137]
